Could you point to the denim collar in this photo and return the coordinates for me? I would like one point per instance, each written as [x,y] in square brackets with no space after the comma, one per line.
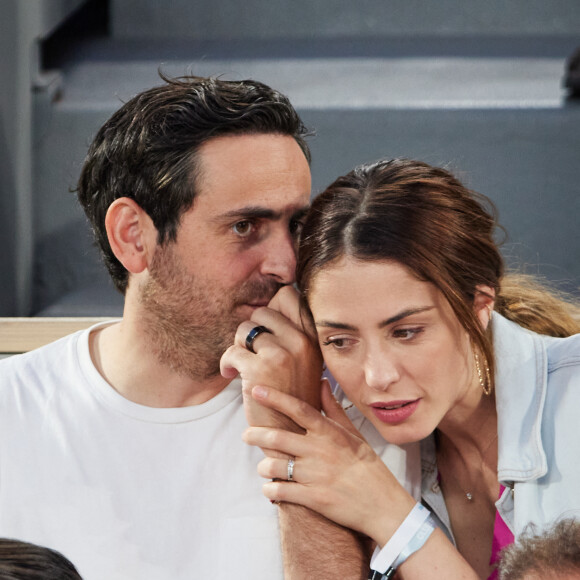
[521,381]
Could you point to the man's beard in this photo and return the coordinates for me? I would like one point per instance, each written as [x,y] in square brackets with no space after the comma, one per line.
[191,322]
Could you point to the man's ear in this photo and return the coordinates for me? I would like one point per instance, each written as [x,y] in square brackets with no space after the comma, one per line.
[483,303]
[131,233]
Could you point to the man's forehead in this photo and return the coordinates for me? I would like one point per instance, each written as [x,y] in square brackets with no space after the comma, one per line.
[245,173]
[260,153]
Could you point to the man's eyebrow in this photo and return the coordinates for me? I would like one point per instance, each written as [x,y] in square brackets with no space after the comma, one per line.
[301,212]
[391,320]
[251,211]
[260,212]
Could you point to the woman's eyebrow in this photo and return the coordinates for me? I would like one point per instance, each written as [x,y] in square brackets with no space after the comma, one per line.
[404,314]
[391,320]
[337,325]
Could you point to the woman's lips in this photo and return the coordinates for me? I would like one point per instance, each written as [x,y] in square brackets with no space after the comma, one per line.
[394,411]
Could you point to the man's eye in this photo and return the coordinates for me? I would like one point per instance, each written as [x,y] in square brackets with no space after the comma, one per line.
[243,228]
[296,227]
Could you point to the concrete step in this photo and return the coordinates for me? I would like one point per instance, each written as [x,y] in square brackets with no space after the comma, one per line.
[303,19]
[501,120]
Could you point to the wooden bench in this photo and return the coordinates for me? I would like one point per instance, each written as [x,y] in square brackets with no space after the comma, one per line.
[19,335]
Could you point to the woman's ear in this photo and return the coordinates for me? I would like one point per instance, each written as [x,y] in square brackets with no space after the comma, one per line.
[131,233]
[483,303]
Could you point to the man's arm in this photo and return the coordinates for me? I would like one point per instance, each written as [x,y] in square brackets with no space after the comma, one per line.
[315,547]
[289,360]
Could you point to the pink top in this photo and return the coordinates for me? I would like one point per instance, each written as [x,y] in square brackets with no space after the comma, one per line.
[502,537]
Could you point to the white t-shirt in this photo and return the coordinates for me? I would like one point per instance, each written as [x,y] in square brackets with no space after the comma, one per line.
[127,491]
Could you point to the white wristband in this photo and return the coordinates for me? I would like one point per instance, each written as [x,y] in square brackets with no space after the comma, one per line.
[384,558]
[417,541]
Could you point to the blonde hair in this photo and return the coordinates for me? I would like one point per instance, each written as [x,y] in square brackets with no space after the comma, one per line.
[531,303]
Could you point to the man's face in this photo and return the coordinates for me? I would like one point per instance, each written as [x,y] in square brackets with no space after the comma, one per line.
[234,249]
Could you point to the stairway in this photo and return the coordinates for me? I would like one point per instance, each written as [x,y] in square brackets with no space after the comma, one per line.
[473,86]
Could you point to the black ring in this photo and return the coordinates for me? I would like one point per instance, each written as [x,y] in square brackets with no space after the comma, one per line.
[253,334]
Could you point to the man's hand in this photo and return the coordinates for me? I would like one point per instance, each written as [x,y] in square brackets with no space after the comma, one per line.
[290,361]
[287,359]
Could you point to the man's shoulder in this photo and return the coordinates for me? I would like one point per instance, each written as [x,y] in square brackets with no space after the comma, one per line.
[38,370]
[56,348]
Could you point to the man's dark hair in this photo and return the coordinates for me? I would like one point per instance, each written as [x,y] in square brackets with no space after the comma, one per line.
[147,150]
[23,561]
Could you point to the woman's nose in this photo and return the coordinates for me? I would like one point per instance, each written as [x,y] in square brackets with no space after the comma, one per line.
[380,371]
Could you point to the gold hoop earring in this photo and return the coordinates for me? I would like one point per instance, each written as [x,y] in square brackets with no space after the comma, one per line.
[485,382]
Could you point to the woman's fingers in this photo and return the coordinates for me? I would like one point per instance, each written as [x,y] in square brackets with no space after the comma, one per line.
[280,468]
[302,413]
[279,440]
[287,491]
[333,409]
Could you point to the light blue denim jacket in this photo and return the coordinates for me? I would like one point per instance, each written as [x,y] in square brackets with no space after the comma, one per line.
[538,404]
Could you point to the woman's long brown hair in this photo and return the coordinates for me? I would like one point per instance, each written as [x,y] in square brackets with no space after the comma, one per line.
[426,219]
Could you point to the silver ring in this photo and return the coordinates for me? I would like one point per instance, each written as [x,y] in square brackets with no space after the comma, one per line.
[253,334]
[290,469]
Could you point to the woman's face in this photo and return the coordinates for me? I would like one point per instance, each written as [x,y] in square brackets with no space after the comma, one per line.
[394,345]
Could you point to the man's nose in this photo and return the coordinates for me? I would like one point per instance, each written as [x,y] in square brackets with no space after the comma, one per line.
[279,259]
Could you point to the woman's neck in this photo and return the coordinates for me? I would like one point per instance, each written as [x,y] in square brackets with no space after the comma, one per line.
[467,449]
[469,426]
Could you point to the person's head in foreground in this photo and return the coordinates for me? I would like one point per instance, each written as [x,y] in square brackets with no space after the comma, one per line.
[25,561]
[554,553]
[399,268]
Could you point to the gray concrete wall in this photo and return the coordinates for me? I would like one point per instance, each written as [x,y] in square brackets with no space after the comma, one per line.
[422,82]
[232,19]
[8,98]
[23,24]
[526,161]
[503,125]
[15,158]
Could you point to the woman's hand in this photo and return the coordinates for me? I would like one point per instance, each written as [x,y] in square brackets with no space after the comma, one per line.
[287,359]
[336,473]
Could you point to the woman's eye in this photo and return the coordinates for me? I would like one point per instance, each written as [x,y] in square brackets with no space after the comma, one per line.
[407,333]
[338,343]
[243,228]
